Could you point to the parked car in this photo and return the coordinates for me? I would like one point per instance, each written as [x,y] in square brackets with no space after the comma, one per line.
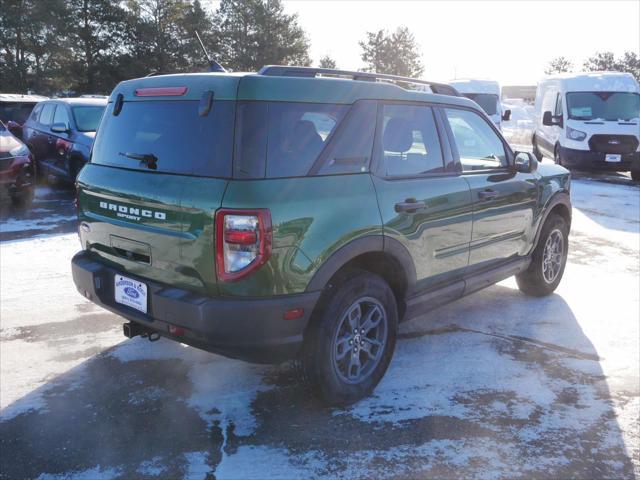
[291,214]
[60,134]
[17,169]
[15,108]
[589,121]
[485,93]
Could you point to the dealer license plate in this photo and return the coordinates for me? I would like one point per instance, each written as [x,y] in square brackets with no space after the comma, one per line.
[131,293]
[613,157]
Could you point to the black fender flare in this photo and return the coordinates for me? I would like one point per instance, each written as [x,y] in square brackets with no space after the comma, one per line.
[558,198]
[360,246]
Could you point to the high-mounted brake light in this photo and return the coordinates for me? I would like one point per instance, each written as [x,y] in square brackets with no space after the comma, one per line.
[160,91]
[243,242]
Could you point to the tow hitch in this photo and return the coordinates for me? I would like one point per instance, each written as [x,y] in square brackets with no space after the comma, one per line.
[131,329]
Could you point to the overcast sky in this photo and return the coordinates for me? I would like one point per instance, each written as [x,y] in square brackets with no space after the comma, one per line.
[510,41]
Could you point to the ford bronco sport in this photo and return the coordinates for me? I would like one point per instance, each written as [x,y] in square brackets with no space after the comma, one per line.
[300,212]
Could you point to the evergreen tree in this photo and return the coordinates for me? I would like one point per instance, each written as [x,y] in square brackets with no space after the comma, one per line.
[253,33]
[559,65]
[396,53]
[327,62]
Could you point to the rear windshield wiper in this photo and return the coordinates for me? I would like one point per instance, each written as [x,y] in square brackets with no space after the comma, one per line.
[149,159]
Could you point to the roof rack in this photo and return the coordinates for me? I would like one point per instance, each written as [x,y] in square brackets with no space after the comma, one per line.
[310,72]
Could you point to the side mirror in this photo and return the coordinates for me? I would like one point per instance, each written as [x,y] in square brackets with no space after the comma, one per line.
[506,115]
[525,162]
[60,128]
[549,120]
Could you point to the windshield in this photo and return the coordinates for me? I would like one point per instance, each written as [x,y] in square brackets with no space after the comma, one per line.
[488,101]
[168,136]
[87,118]
[603,105]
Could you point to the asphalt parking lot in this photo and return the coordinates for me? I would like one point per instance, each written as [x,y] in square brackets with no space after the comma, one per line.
[497,385]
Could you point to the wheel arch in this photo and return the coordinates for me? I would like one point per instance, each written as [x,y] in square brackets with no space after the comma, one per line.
[560,204]
[377,254]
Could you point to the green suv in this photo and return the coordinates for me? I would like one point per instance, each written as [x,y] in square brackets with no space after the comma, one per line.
[303,213]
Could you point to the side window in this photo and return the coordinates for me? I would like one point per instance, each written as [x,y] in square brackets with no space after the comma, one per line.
[46,117]
[549,100]
[479,146]
[409,143]
[36,112]
[558,110]
[61,115]
[290,136]
[351,148]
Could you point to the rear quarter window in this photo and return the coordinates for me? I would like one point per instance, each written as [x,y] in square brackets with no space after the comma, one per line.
[182,141]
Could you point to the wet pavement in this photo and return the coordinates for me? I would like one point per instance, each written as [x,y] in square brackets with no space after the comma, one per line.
[497,385]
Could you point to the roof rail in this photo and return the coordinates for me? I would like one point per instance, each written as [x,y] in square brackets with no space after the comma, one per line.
[310,72]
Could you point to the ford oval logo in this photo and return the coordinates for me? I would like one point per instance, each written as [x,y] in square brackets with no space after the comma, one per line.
[614,142]
[130,291]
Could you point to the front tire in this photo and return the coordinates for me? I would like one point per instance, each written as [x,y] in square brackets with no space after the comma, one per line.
[352,338]
[549,259]
[556,156]
[535,149]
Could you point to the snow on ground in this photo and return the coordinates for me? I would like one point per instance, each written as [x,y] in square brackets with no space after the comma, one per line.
[496,385]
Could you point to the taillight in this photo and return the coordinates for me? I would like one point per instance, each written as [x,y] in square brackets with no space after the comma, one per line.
[243,242]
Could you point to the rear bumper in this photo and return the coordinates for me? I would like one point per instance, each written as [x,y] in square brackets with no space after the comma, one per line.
[252,329]
[588,160]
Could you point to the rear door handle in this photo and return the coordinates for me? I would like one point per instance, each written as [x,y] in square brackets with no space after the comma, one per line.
[410,205]
[487,194]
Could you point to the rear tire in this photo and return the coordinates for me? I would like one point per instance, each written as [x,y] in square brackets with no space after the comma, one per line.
[635,173]
[548,260]
[351,339]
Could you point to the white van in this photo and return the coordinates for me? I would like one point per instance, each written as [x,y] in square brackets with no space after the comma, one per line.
[589,121]
[485,93]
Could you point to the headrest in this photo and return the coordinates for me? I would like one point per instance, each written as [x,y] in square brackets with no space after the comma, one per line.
[303,131]
[398,135]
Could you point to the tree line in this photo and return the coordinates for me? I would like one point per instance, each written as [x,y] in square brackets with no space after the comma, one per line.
[602,61]
[88,46]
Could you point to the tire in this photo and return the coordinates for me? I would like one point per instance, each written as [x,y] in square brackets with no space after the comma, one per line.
[556,156]
[635,174]
[535,149]
[344,364]
[24,198]
[543,276]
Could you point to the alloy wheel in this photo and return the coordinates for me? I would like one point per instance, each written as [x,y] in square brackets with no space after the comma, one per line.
[360,339]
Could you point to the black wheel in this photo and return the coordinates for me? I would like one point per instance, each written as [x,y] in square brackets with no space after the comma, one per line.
[556,156]
[535,149]
[635,173]
[548,260]
[352,338]
[27,188]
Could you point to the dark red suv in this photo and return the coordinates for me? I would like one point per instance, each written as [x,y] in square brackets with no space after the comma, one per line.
[17,169]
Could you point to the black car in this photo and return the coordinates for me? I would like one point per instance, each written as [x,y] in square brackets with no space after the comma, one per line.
[60,134]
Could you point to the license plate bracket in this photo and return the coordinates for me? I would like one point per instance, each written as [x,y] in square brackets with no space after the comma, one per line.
[130,292]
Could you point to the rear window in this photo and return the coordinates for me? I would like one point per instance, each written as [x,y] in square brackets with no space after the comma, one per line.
[182,141]
[282,139]
[14,111]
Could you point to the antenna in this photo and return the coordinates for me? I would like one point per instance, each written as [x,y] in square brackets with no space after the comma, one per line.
[213,65]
